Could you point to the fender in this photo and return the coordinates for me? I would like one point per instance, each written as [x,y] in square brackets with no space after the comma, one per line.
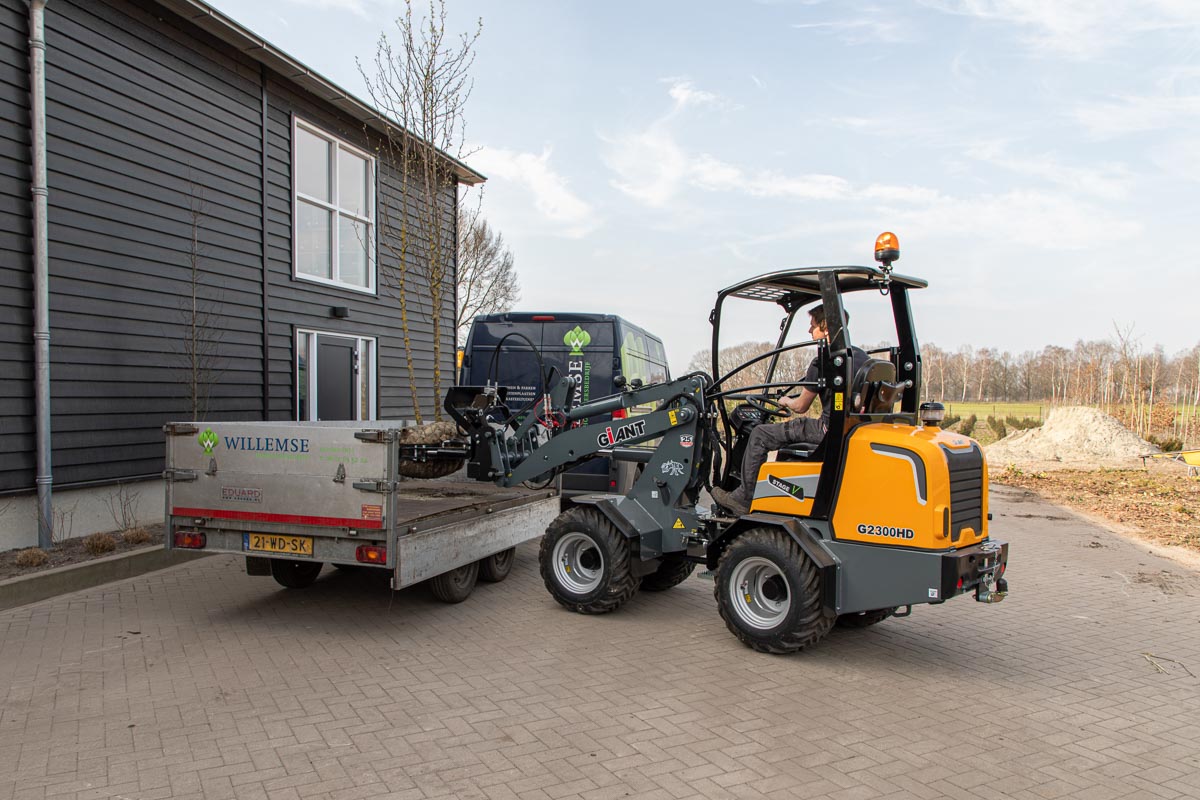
[805,537]
[604,503]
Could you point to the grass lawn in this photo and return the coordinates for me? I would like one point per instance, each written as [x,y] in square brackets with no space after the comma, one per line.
[998,410]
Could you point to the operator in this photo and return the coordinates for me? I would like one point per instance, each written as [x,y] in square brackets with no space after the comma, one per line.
[797,430]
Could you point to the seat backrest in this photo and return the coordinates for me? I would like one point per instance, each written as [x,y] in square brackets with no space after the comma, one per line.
[874,390]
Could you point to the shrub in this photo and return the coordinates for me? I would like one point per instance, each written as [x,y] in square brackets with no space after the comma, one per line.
[99,543]
[998,426]
[968,426]
[1168,444]
[32,557]
[137,536]
[950,421]
[1023,424]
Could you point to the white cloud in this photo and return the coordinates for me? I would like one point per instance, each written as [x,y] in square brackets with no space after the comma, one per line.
[1036,219]
[649,165]
[552,196]
[1108,181]
[1134,114]
[685,94]
[872,28]
[1078,28]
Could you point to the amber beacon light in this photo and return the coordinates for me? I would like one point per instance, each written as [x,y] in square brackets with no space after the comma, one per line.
[887,249]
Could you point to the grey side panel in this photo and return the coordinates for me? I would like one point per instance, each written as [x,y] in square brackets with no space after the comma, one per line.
[874,577]
[423,555]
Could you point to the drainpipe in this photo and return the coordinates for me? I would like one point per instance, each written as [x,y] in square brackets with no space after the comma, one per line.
[41,268]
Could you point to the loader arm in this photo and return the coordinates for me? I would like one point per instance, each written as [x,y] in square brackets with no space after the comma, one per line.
[658,509]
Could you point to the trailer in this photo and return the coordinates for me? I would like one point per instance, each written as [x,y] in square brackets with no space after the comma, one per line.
[291,497]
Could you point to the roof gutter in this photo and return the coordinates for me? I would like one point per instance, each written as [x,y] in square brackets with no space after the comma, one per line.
[246,41]
[41,268]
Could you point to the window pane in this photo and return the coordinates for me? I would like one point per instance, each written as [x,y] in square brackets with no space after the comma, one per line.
[352,184]
[353,247]
[313,248]
[312,165]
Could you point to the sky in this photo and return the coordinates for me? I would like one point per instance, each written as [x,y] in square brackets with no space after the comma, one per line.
[1038,160]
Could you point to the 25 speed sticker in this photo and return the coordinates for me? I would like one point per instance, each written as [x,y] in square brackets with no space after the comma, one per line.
[886,531]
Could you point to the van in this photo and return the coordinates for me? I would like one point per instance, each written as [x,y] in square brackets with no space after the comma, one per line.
[596,347]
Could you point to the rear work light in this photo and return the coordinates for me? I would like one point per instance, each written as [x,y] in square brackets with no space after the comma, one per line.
[370,554]
[190,540]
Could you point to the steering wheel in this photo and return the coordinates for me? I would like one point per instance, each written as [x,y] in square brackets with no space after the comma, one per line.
[764,403]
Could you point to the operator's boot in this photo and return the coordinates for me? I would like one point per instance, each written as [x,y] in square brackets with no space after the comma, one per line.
[734,500]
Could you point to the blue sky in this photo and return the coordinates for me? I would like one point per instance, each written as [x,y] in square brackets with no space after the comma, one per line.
[1039,159]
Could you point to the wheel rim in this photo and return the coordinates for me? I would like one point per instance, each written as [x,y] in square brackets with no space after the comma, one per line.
[578,563]
[759,593]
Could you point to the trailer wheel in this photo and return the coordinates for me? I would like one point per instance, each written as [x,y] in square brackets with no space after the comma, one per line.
[864,619]
[456,585]
[295,574]
[584,562]
[496,567]
[769,593]
[672,571]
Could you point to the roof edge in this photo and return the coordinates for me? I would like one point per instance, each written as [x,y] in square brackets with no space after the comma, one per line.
[207,18]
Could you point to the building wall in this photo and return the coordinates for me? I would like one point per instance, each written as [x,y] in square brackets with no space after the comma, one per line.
[16,272]
[149,117]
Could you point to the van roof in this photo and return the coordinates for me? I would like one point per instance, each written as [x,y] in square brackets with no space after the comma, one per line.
[552,316]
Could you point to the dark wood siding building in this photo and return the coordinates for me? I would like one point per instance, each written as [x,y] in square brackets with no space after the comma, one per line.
[172,145]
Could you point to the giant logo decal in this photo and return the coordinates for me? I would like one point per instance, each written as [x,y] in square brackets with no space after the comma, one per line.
[624,433]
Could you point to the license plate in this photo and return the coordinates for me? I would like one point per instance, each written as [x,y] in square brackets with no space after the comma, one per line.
[271,543]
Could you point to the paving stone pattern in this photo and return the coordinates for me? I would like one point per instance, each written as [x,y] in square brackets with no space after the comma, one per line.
[200,681]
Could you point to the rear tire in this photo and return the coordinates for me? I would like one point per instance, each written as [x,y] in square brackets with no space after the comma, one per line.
[496,567]
[584,562]
[295,574]
[865,619]
[769,593]
[456,585]
[672,571]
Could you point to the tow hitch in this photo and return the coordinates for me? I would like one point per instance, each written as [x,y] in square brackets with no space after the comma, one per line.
[985,594]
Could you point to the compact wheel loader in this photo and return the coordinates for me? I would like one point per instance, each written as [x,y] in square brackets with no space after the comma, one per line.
[887,512]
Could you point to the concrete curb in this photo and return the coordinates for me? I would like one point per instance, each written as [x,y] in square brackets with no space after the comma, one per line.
[28,589]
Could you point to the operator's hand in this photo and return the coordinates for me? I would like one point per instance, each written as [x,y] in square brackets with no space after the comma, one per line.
[789,403]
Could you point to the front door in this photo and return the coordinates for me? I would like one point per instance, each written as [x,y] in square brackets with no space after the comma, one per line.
[335,376]
[336,369]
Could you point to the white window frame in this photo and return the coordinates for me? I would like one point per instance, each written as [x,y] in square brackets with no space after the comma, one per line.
[311,366]
[337,211]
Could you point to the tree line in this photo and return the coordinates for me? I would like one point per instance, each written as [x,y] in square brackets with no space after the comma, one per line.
[1148,390]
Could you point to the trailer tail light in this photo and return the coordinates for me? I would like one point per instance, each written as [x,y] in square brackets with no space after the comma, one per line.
[370,554]
[620,413]
[190,540]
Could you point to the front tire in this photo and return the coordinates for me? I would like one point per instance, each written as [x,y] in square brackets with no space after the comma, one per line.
[672,571]
[295,574]
[769,593]
[456,585]
[584,562]
[496,567]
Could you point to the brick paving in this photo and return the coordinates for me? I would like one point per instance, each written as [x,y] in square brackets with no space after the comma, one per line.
[202,682]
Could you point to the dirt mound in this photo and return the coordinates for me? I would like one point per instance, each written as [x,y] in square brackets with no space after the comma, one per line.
[1072,435]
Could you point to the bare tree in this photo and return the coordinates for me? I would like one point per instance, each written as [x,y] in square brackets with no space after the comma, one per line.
[486,280]
[420,87]
[203,331]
